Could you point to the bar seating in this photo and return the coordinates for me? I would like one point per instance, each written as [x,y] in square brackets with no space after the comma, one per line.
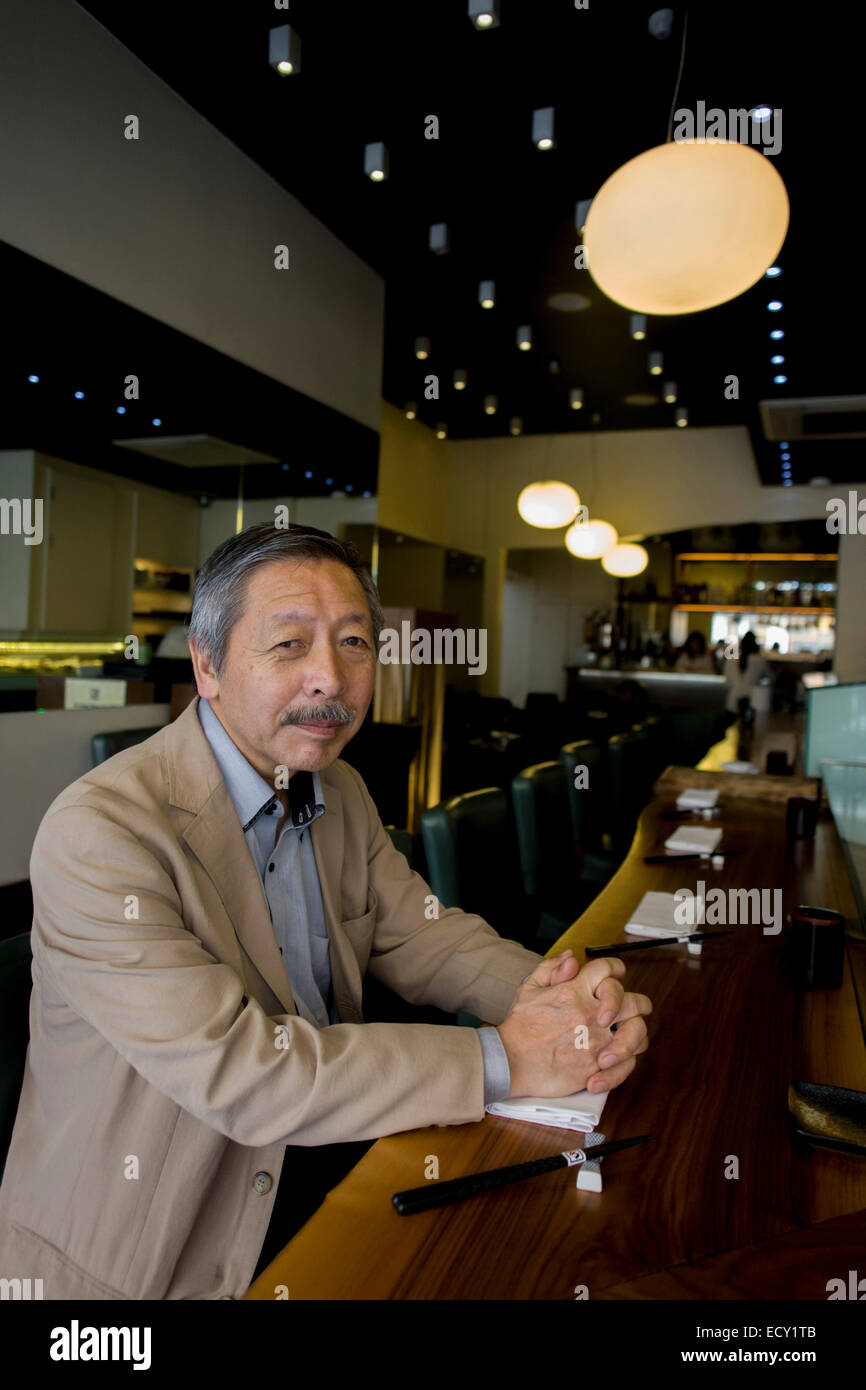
[589,807]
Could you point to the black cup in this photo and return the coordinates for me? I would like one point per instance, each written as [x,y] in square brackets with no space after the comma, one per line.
[802,818]
[818,941]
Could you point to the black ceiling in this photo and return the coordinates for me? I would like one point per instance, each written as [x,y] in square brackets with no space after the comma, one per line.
[375,71]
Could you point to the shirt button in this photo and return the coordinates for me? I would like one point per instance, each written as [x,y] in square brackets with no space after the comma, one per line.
[262,1183]
[271,868]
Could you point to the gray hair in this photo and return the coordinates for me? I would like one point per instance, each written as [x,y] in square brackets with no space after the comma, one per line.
[220,586]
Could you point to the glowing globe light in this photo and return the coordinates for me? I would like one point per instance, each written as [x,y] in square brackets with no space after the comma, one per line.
[590,540]
[625,560]
[548,504]
[685,226]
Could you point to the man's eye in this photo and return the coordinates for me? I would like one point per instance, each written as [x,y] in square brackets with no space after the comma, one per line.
[361,640]
[288,642]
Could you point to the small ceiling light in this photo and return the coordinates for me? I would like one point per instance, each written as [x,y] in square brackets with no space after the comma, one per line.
[79,395]
[774,306]
[777,333]
[724,202]
[542,128]
[524,338]
[33,378]
[581,213]
[661,23]
[329,482]
[490,405]
[777,360]
[284,50]
[376,161]
[411,410]
[308,474]
[484,13]
[439,241]
[460,379]
[422,348]
[366,494]
[681,415]
[784,444]
[761,113]
[515,425]
[772,271]
[637,326]
[548,505]
[787,482]
[441,430]
[121,410]
[670,392]
[624,561]
[590,540]
[156,421]
[655,363]
[780,379]
[487,294]
[575,398]
[284,467]
[784,457]
[350,487]
[553,367]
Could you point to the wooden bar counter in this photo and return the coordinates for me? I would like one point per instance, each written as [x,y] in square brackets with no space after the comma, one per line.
[729,1032]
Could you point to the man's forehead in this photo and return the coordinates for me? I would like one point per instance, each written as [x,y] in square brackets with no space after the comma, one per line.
[290,587]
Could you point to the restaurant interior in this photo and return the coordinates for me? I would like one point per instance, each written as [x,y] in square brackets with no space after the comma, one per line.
[435,280]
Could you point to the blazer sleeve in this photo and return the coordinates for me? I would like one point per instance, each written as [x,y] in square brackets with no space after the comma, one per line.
[454,961]
[109,939]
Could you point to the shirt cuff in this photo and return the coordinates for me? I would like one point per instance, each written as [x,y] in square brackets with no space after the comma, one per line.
[497,1073]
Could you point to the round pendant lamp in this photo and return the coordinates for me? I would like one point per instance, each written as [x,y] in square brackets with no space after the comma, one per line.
[548,504]
[625,561]
[590,540]
[685,226]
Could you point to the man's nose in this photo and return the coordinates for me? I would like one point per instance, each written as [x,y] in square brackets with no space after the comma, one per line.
[324,674]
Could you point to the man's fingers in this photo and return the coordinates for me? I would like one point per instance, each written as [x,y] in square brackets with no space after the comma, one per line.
[610,995]
[545,973]
[630,1039]
[632,1006]
[612,1077]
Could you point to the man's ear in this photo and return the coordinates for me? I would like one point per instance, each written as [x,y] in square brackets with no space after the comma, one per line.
[206,681]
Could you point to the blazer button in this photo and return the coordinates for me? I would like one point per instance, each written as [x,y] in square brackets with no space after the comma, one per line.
[262,1183]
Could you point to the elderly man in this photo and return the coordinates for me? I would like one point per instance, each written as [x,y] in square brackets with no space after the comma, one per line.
[206,905]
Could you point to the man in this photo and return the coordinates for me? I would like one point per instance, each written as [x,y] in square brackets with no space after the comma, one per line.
[205,907]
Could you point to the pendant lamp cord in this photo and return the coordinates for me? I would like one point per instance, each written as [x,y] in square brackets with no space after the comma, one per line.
[679,77]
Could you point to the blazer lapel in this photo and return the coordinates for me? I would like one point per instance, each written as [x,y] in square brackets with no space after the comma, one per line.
[216,838]
[327,834]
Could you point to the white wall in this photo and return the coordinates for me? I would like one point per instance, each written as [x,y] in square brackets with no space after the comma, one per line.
[328,513]
[179,223]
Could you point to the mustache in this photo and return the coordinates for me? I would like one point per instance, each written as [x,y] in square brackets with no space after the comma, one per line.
[334,711]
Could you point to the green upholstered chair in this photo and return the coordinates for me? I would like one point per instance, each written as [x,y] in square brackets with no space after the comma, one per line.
[104,746]
[15,987]
[626,763]
[545,838]
[587,783]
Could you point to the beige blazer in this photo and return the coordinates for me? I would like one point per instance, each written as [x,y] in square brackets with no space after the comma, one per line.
[168,1068]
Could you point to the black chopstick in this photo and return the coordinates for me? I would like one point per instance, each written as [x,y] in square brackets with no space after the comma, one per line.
[439,1194]
[618,948]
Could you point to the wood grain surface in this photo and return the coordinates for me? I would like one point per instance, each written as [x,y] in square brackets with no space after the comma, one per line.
[730,1030]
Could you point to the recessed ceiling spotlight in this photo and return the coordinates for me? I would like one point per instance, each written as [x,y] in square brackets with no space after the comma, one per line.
[637,326]
[350,487]
[156,421]
[490,405]
[761,113]
[366,494]
[656,362]
[542,128]
[777,360]
[575,398]
[787,482]
[553,367]
[784,457]
[376,161]
[484,13]
[784,444]
[772,271]
[79,395]
[515,424]
[568,303]
[524,337]
[284,467]
[441,430]
[33,378]
[670,392]
[329,482]
[774,306]
[411,410]
[777,333]
[460,379]
[121,410]
[439,241]
[422,348]
[780,379]
[661,23]
[681,415]
[284,50]
[581,212]
[308,474]
[487,294]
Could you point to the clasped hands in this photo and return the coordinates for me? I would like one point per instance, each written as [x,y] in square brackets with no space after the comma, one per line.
[557,1034]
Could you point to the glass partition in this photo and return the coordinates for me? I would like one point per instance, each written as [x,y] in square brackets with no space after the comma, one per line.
[846,792]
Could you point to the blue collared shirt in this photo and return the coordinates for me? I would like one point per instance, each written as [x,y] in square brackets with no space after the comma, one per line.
[283,854]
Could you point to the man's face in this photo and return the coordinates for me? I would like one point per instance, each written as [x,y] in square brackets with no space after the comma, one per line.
[299,671]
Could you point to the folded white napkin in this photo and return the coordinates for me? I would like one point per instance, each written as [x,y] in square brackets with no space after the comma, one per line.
[693,839]
[579,1111]
[697,798]
[654,916]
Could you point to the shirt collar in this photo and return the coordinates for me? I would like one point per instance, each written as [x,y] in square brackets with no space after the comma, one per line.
[250,793]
